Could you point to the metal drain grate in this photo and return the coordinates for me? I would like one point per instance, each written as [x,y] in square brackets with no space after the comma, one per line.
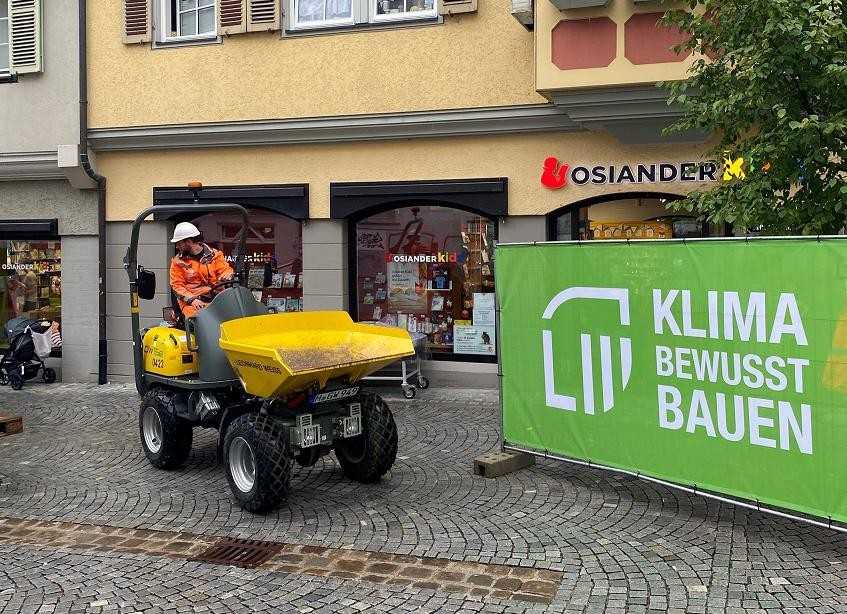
[245,553]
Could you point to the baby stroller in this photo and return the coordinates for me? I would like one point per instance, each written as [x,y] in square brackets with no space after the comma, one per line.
[29,345]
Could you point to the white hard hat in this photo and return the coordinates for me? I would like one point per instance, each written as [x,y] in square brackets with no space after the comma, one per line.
[185,230]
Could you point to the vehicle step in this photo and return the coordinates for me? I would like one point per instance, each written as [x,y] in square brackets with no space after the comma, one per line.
[10,425]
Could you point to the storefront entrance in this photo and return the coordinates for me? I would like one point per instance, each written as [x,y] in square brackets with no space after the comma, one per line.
[421,257]
[30,281]
[430,270]
[626,216]
[274,236]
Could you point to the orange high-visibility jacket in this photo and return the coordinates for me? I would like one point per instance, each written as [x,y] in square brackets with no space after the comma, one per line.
[194,276]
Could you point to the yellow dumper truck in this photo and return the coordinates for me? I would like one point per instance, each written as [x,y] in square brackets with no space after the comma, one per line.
[279,388]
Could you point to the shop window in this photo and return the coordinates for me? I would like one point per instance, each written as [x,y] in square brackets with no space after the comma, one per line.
[429,270]
[30,281]
[186,20]
[311,14]
[274,254]
[4,37]
[626,218]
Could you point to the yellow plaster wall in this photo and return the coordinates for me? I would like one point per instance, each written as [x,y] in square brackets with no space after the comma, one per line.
[133,175]
[620,72]
[471,60]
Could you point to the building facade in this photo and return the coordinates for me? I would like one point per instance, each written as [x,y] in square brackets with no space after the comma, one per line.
[48,202]
[385,146]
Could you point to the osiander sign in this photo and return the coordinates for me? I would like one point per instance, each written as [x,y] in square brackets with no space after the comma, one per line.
[556,174]
[716,364]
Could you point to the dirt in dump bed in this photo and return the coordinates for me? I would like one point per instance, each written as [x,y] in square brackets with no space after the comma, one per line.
[308,359]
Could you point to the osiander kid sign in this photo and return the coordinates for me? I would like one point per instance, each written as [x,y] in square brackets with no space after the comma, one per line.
[721,365]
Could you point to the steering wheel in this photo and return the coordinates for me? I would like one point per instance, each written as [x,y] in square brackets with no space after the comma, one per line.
[226,283]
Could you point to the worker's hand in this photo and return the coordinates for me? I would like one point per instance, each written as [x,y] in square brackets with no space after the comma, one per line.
[198,304]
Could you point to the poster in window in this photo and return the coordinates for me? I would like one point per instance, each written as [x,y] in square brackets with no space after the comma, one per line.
[483,309]
[404,287]
[474,340]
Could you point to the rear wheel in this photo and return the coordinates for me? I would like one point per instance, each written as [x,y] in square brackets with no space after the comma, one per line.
[165,437]
[49,375]
[257,462]
[367,457]
[4,378]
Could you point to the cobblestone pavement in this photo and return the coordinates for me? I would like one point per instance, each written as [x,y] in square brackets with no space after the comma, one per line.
[618,545]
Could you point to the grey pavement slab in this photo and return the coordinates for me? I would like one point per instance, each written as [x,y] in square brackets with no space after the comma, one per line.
[622,545]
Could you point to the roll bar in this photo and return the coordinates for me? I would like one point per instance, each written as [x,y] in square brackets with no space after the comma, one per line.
[131,266]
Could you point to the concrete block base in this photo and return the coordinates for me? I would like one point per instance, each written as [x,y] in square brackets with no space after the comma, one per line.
[495,464]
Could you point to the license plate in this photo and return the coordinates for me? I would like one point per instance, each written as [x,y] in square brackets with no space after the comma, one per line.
[334,395]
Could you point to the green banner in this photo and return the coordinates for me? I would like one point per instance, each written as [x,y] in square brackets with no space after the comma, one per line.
[717,364]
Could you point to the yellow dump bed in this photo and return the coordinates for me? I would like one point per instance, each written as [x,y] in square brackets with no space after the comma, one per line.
[278,354]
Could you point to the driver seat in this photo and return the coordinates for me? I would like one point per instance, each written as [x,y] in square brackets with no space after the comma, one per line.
[231,304]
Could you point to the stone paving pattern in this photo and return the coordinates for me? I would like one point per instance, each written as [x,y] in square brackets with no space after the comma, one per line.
[619,544]
[478,579]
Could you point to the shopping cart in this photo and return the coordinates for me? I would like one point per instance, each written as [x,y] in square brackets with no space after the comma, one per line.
[406,369]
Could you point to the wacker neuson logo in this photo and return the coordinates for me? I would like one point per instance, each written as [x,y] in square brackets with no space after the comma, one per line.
[735,396]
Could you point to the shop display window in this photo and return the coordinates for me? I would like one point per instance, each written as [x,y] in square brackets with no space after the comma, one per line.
[429,270]
[635,218]
[30,281]
[274,254]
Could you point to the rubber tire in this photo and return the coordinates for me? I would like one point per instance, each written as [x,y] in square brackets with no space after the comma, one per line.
[423,382]
[379,437]
[16,381]
[4,378]
[409,392]
[48,376]
[177,434]
[266,438]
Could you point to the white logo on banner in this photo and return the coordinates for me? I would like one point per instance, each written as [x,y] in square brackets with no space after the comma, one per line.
[562,401]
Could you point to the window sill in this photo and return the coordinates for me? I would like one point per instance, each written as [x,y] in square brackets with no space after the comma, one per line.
[387,24]
[8,78]
[188,42]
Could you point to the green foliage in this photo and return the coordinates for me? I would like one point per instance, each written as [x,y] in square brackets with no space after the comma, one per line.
[772,89]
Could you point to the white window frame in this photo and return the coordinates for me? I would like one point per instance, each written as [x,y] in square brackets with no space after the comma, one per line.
[363,13]
[324,23]
[4,23]
[375,17]
[163,26]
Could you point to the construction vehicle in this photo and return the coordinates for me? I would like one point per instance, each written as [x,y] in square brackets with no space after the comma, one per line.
[279,388]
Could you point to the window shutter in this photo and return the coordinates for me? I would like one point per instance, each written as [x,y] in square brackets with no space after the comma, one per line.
[25,39]
[263,15]
[232,15]
[137,21]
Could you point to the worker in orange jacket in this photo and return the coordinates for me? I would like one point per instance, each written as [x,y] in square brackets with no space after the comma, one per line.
[195,268]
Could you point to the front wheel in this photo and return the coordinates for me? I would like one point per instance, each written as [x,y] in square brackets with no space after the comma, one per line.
[367,457]
[49,375]
[257,462]
[165,437]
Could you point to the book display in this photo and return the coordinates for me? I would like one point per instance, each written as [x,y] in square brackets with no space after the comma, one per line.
[423,269]
[32,279]
[274,254]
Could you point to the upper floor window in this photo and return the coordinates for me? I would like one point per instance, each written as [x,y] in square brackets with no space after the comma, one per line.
[187,20]
[4,37]
[313,14]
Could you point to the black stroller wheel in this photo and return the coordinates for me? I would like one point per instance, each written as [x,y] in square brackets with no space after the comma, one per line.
[49,375]
[16,381]
[4,378]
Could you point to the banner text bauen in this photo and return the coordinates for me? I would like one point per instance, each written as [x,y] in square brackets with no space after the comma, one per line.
[764,420]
